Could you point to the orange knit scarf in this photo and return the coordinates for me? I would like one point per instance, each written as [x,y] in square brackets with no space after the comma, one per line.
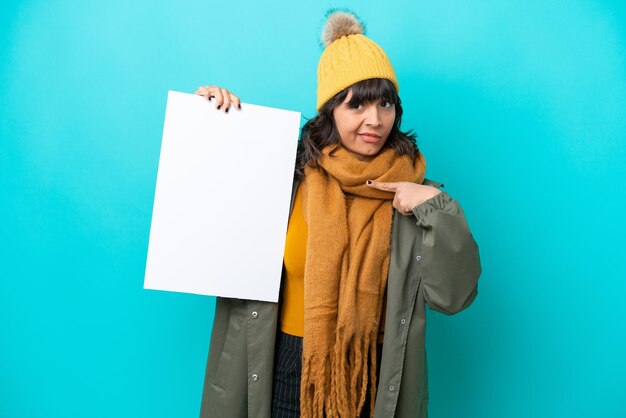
[347,260]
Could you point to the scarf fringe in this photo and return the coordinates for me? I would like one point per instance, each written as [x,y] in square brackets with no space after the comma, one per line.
[314,393]
[373,382]
[323,391]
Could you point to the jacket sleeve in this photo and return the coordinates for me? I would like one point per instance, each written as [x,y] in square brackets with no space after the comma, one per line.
[450,258]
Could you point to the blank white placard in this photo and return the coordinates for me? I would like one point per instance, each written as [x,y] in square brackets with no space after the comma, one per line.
[221,204]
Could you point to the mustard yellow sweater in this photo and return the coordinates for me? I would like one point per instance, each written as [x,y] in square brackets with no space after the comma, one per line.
[292,315]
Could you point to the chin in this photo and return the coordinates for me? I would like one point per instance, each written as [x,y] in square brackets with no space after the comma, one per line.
[366,151]
[373,150]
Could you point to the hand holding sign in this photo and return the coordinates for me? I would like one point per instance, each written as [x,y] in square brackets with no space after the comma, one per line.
[221,95]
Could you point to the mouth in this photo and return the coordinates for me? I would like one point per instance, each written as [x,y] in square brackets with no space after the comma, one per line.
[370,137]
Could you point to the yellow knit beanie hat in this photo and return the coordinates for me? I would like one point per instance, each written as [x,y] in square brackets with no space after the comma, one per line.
[349,57]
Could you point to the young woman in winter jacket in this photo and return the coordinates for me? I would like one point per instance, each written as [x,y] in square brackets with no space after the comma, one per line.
[370,241]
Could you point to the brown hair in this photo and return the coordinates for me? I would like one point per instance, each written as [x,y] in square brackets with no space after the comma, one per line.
[320,131]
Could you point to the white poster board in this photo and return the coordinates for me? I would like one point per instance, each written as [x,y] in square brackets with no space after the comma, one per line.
[222,198]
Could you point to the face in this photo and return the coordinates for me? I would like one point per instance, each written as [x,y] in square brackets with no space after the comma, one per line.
[364,129]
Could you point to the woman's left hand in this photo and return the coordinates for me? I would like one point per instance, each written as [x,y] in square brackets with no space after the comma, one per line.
[408,195]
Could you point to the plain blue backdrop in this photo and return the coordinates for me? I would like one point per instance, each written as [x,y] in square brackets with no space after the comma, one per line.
[520,110]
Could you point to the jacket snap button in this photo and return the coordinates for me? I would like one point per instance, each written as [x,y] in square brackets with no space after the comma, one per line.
[403,321]
[418,258]
[391,387]
[255,314]
[255,377]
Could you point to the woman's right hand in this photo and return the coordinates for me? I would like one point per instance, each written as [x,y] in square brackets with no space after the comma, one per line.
[223,98]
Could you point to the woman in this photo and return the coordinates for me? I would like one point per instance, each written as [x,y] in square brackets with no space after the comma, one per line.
[370,241]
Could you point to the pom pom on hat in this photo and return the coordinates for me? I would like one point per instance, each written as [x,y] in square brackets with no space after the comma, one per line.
[340,23]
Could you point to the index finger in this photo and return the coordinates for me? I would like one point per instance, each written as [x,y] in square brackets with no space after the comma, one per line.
[383,185]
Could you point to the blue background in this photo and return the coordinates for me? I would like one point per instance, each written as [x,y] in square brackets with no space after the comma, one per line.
[520,110]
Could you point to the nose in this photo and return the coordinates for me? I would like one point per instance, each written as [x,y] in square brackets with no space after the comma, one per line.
[372,115]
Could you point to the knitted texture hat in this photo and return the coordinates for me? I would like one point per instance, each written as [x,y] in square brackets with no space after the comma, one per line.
[349,57]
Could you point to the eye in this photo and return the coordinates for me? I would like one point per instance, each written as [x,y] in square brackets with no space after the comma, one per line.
[355,106]
[386,104]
